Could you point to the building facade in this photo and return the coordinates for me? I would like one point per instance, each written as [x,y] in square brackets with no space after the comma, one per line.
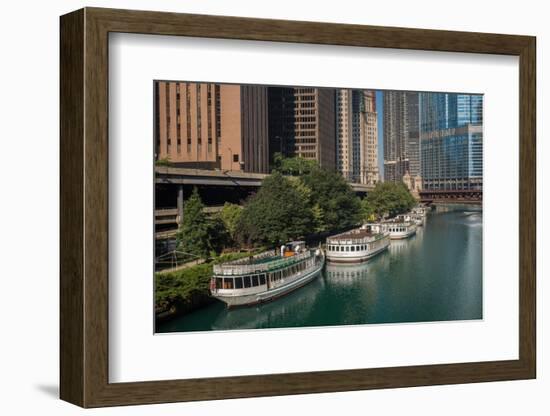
[357,135]
[212,126]
[451,141]
[369,172]
[402,155]
[302,122]
[344,131]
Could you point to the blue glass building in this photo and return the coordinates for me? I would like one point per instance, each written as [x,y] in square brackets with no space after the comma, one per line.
[451,141]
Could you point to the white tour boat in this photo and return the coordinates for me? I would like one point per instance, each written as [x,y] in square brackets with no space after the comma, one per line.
[399,229]
[266,276]
[418,219]
[357,245]
[418,214]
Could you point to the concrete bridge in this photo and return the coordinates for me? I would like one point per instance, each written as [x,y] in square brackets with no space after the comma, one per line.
[185,176]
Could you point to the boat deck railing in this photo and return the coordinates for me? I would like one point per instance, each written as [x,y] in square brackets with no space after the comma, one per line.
[232,268]
[349,238]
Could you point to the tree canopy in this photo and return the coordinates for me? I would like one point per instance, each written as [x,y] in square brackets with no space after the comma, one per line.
[388,199]
[193,236]
[278,213]
[293,166]
[333,199]
[230,215]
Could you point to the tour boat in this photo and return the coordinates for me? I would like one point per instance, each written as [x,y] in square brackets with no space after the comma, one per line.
[399,229]
[416,218]
[418,215]
[357,245]
[266,276]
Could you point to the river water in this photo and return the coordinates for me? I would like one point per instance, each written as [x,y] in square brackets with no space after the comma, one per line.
[435,275]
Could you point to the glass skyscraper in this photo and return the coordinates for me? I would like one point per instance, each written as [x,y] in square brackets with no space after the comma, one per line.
[451,141]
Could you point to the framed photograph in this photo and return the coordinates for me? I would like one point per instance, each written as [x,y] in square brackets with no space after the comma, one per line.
[255,207]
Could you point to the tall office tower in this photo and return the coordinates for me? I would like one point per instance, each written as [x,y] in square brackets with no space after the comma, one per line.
[344,130]
[302,122]
[212,126]
[356,144]
[369,138]
[413,134]
[401,137]
[357,134]
[451,141]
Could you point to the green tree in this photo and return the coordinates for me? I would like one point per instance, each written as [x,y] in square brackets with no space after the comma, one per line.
[230,215]
[193,236]
[279,212]
[293,166]
[367,211]
[391,199]
[333,198]
[163,162]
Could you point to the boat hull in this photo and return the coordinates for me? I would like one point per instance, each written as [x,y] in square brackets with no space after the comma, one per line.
[402,236]
[272,294]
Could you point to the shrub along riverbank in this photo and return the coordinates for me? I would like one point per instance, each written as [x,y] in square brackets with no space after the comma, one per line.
[182,291]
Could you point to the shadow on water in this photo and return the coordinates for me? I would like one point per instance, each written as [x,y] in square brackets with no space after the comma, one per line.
[432,276]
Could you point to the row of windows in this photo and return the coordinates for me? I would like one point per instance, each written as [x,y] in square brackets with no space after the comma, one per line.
[260,279]
[361,247]
[240,282]
[397,229]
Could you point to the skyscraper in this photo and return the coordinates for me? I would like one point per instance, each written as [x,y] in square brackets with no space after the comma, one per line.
[302,122]
[357,134]
[401,135]
[203,125]
[451,141]
[344,133]
[369,139]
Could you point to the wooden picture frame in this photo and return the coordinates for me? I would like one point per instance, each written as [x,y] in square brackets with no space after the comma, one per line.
[84,207]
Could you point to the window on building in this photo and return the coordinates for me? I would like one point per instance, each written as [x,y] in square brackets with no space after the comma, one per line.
[236,158]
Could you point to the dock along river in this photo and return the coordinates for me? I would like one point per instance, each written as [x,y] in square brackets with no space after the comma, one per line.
[435,275]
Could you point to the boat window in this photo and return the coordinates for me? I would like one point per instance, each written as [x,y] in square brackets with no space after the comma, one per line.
[247,281]
[238,282]
[255,280]
[347,248]
[219,283]
[352,248]
[262,279]
[228,283]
